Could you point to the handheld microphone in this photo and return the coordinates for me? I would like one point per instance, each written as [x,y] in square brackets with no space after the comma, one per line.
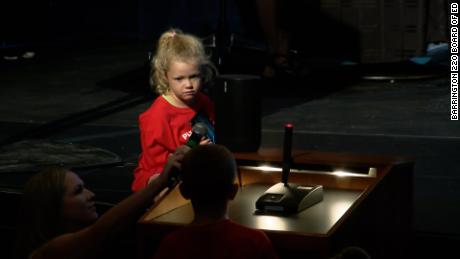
[199,130]
[287,158]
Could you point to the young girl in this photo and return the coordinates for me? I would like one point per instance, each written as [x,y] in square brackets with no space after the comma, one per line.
[178,70]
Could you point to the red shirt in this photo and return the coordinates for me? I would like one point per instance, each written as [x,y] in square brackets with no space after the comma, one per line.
[223,239]
[164,127]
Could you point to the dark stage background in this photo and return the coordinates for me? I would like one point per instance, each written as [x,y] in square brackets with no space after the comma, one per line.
[357,90]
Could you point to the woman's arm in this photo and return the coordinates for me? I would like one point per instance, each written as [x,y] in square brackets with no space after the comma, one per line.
[114,222]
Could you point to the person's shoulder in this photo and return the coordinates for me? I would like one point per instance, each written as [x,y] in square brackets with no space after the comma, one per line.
[246,231]
[158,104]
[255,240]
[203,98]
[177,236]
[159,107]
[79,242]
[168,247]
[205,104]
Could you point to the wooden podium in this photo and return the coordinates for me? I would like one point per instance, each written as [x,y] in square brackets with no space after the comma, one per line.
[367,203]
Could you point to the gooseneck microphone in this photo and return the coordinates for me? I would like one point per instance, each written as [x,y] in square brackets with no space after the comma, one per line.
[289,197]
[199,130]
[287,157]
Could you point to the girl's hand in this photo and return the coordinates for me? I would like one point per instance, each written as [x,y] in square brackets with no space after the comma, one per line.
[205,141]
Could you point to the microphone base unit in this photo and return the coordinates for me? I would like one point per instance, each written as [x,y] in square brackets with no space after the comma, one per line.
[289,198]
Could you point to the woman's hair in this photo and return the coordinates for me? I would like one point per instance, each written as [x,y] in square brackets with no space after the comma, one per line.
[174,45]
[41,209]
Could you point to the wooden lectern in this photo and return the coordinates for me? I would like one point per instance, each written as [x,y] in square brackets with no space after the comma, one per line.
[367,203]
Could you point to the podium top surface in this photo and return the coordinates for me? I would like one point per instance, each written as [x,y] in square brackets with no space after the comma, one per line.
[318,219]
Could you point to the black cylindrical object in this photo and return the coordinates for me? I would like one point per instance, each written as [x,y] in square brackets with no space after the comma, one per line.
[238,116]
[287,151]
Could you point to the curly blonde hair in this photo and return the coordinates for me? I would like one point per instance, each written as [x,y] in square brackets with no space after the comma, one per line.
[174,45]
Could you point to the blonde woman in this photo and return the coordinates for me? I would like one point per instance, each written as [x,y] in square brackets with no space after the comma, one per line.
[60,218]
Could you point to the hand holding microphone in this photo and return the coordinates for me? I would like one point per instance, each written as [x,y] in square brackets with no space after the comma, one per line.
[199,132]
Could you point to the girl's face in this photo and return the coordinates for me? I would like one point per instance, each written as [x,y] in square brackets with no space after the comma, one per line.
[184,82]
[78,203]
